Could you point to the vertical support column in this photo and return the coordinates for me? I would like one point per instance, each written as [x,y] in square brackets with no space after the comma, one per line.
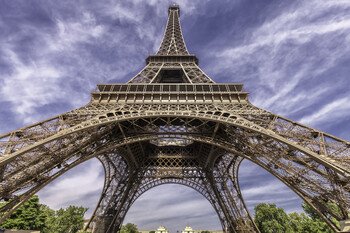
[121,184]
[116,178]
[225,185]
[229,225]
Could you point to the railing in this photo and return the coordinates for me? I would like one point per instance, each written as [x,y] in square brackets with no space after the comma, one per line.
[165,87]
[170,93]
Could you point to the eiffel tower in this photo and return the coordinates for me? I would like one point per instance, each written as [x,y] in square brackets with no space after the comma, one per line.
[171,123]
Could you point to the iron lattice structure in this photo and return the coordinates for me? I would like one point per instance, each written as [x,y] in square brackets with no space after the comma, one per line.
[171,123]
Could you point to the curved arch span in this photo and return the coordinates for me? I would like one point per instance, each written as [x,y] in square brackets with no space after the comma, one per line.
[225,118]
[209,203]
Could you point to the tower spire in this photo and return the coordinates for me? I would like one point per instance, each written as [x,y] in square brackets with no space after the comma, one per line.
[173,42]
[172,63]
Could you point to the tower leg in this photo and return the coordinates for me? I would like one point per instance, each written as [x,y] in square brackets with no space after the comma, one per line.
[228,193]
[121,184]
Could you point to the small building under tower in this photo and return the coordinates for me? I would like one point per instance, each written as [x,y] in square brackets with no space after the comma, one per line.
[162,229]
[188,230]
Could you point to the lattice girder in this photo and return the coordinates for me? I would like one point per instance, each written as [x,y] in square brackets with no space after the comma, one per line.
[173,42]
[172,55]
[312,176]
[121,184]
[337,162]
[194,177]
[223,177]
[192,72]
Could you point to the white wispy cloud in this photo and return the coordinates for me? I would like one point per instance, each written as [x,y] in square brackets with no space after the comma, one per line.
[71,32]
[59,61]
[80,186]
[287,52]
[333,110]
[29,86]
[57,66]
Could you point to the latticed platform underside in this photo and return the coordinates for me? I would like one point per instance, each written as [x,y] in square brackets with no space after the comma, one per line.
[172,124]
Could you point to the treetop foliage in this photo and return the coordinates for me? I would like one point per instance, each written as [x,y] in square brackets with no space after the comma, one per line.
[268,217]
[271,219]
[35,216]
[129,228]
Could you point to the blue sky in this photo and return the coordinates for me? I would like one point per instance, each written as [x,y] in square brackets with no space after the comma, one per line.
[292,56]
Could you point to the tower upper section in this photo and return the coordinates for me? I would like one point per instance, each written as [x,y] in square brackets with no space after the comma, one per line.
[173,42]
[172,76]
[172,63]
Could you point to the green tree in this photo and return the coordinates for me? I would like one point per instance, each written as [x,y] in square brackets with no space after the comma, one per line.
[28,216]
[205,231]
[49,218]
[35,216]
[297,222]
[331,206]
[152,232]
[301,223]
[316,226]
[129,228]
[270,219]
[317,222]
[69,220]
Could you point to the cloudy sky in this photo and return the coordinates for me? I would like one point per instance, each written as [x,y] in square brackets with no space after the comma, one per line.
[292,56]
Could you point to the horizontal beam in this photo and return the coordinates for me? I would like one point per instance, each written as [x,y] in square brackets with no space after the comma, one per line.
[170,93]
[170,87]
[172,58]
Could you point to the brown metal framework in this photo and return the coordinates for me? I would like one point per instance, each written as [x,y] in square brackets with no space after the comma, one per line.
[172,124]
